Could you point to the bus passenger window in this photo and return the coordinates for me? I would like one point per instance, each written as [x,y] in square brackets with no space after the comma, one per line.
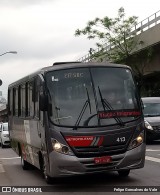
[37,88]
[23,100]
[15,101]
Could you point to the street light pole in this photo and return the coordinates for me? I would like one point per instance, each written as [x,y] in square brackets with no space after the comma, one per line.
[13,52]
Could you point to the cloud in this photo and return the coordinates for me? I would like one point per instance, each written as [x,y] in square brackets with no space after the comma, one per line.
[42,31]
[39,32]
[22,3]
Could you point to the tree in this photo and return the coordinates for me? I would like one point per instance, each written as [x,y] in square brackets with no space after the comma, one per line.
[117,42]
[115,37]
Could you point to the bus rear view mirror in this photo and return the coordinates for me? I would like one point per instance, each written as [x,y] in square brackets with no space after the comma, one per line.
[43,102]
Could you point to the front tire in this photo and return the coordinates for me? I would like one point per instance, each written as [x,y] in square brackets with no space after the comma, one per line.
[25,164]
[48,179]
[124,173]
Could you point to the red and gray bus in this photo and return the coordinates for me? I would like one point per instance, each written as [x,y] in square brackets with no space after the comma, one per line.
[77,118]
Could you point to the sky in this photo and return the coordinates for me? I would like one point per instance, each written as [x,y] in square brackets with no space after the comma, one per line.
[42,31]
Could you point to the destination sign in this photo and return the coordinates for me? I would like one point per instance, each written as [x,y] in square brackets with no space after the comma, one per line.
[118,113]
[71,75]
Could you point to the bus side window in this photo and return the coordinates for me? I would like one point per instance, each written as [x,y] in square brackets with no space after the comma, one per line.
[26,98]
[19,101]
[36,90]
[10,101]
[30,98]
[22,100]
[15,101]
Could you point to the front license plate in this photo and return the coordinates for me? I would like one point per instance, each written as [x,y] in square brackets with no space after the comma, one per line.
[103,160]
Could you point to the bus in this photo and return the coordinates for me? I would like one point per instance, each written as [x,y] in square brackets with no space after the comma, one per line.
[77,118]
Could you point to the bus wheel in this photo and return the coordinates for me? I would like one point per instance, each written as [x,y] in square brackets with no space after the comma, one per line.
[47,178]
[124,173]
[25,164]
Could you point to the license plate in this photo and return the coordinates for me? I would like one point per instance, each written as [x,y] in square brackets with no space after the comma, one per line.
[103,160]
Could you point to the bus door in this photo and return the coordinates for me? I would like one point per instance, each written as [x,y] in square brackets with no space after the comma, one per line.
[41,106]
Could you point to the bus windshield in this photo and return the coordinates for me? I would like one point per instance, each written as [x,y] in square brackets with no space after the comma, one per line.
[90,97]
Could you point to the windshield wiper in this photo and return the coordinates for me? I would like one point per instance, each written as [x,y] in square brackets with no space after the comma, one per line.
[87,102]
[107,105]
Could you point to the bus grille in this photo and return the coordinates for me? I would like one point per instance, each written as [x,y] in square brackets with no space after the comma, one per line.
[95,151]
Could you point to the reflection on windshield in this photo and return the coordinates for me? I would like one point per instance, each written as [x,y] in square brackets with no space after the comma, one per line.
[87,102]
[108,106]
[76,95]
[151,109]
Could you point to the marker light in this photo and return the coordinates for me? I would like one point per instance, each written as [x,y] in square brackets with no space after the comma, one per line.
[139,139]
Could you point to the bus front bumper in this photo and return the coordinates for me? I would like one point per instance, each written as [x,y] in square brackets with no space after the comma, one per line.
[65,165]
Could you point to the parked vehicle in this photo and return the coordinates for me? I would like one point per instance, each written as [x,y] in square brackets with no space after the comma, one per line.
[62,121]
[0,130]
[4,136]
[152,117]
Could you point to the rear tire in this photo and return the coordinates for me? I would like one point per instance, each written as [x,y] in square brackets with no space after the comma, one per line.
[124,173]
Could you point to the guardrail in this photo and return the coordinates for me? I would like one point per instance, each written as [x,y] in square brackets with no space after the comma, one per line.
[142,26]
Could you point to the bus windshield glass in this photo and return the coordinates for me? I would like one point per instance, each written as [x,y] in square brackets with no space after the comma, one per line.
[90,97]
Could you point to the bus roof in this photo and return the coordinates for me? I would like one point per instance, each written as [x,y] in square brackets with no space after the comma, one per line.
[67,65]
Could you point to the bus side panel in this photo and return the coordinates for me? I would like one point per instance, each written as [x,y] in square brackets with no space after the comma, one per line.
[25,139]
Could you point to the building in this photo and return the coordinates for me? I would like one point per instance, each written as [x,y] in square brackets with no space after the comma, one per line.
[3,109]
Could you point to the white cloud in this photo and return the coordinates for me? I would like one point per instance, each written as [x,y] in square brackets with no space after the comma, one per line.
[42,31]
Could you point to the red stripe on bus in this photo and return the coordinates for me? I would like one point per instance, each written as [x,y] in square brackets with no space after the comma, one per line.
[100,141]
[79,140]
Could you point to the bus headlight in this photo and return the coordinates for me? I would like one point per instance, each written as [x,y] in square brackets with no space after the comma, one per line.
[137,141]
[147,125]
[61,148]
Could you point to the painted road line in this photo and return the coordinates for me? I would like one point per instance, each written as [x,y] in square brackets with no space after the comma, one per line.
[9,158]
[152,159]
[1,169]
[151,150]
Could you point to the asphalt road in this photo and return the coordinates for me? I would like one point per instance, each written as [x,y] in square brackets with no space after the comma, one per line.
[12,174]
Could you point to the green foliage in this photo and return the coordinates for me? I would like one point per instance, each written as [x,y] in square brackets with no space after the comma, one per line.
[115,33]
[117,42]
